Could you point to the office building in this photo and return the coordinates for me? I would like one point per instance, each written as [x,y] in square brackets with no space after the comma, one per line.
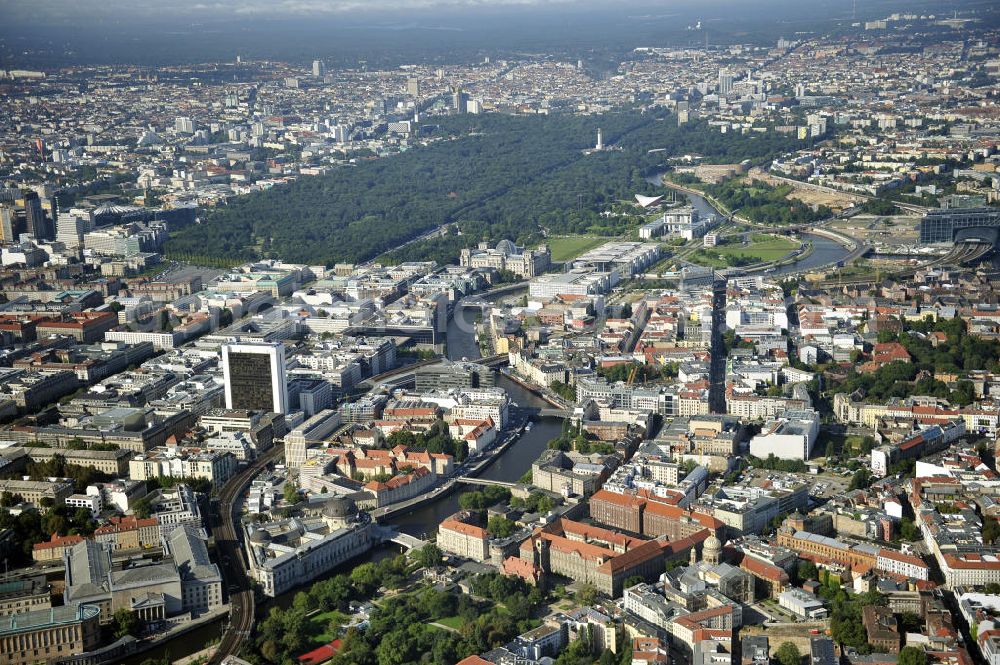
[462,535]
[449,374]
[37,224]
[725,82]
[184,125]
[33,491]
[458,100]
[312,432]
[805,606]
[255,376]
[624,258]
[319,69]
[580,282]
[413,86]
[72,225]
[11,223]
[174,462]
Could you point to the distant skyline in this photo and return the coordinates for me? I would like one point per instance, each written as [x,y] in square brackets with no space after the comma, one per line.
[124,10]
[56,33]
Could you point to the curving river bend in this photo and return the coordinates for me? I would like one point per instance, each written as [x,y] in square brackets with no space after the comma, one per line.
[825,251]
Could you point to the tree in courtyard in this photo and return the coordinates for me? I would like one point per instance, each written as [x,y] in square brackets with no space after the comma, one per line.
[291,493]
[142,508]
[500,527]
[807,571]
[912,656]
[587,594]
[788,654]
[861,479]
[908,531]
[125,623]
[991,530]
[429,555]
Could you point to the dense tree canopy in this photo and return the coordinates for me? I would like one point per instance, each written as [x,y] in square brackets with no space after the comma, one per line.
[764,204]
[493,176]
[961,353]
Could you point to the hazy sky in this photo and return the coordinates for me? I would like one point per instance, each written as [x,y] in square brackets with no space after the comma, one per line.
[250,7]
[53,33]
[35,9]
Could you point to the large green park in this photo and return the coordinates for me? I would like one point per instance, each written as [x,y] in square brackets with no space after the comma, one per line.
[485,177]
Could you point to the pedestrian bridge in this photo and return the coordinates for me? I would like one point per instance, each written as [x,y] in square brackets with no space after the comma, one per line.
[486,481]
[390,534]
[556,413]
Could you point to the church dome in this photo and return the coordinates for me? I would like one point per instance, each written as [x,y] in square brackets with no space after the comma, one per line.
[340,508]
[507,248]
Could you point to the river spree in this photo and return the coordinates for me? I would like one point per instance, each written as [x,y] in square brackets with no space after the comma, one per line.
[509,467]
[423,520]
[462,333]
[825,251]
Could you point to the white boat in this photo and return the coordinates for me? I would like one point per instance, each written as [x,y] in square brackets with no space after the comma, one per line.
[527,428]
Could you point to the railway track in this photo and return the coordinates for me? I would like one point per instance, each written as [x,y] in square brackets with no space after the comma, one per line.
[960,254]
[234,570]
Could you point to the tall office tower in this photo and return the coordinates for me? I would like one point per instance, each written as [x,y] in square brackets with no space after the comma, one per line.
[38,225]
[319,69]
[725,82]
[413,86]
[11,224]
[184,125]
[458,100]
[600,140]
[255,376]
[72,225]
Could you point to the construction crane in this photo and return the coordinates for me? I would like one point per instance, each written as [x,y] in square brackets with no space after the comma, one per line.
[631,375]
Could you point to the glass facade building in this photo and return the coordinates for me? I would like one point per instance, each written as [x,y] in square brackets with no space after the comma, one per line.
[940,225]
[255,377]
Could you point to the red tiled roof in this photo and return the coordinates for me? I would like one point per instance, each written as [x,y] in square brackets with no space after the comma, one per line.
[58,541]
[463,528]
[320,655]
[764,570]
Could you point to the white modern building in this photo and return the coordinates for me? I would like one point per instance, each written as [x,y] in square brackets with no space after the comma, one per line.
[802,604]
[791,436]
[575,282]
[678,223]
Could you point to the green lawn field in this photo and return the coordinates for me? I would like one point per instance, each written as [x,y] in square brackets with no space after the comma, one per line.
[565,248]
[763,247]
